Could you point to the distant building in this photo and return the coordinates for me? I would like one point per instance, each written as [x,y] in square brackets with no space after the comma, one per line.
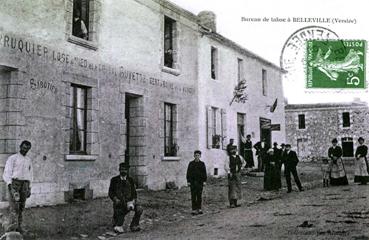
[310,128]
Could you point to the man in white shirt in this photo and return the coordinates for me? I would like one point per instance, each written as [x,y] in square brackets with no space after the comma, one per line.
[18,175]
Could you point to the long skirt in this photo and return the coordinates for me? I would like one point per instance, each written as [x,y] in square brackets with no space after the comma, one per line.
[249,157]
[338,173]
[272,177]
[234,187]
[361,171]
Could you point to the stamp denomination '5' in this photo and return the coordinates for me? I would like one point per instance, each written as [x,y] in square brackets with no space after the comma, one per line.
[335,64]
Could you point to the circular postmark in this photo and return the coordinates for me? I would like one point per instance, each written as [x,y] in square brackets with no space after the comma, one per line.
[292,58]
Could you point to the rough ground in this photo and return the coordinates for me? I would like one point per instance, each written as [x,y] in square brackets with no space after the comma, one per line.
[259,215]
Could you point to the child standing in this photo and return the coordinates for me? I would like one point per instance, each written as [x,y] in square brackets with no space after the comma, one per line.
[325,171]
[196,178]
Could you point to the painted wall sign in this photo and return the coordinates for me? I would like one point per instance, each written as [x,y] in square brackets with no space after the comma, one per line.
[39,84]
[275,127]
[29,48]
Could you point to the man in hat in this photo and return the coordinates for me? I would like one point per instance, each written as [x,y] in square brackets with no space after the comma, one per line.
[290,163]
[122,191]
[261,153]
[18,175]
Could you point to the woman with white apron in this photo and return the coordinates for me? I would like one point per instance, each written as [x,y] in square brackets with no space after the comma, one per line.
[361,163]
[338,173]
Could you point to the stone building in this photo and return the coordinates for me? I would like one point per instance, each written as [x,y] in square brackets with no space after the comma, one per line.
[310,128]
[227,70]
[93,83]
[122,86]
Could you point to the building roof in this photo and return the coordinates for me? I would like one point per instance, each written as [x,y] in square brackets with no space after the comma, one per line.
[317,106]
[218,37]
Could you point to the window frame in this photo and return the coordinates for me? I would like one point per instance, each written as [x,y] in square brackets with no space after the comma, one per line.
[214,63]
[301,122]
[93,24]
[264,82]
[74,108]
[347,123]
[170,40]
[240,69]
[172,138]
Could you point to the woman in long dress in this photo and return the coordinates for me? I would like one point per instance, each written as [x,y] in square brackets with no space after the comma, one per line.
[361,163]
[272,176]
[338,173]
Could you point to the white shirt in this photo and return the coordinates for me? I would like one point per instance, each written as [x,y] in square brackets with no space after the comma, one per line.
[19,167]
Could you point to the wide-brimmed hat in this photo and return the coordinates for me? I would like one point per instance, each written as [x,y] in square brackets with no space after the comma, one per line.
[334,140]
[361,139]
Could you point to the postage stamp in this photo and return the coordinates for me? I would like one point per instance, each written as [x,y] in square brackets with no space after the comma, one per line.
[335,64]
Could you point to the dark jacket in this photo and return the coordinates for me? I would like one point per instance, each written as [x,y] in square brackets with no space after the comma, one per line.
[261,151]
[362,150]
[235,164]
[290,159]
[125,191]
[196,172]
[334,153]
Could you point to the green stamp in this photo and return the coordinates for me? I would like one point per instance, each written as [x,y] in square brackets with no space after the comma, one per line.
[335,64]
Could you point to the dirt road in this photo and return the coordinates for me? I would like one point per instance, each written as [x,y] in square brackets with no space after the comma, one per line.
[331,213]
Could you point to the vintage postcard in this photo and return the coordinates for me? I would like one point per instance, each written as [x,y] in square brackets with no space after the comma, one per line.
[184,119]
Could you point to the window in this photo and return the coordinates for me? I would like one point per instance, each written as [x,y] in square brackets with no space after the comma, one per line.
[80,21]
[216,125]
[264,82]
[214,62]
[301,118]
[241,130]
[169,28]
[345,119]
[170,145]
[78,99]
[240,76]
[214,132]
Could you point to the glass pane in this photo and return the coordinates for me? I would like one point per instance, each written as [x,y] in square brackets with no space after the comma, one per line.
[71,96]
[80,119]
[81,93]
[80,141]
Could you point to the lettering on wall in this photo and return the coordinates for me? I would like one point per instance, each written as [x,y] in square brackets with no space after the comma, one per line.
[42,85]
[30,48]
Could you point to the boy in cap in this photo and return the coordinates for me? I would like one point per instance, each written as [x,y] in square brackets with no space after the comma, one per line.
[196,177]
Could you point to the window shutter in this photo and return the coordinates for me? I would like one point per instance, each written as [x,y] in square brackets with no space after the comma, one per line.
[208,127]
[223,114]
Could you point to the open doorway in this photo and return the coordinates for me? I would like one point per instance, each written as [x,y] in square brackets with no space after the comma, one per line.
[266,131]
[135,131]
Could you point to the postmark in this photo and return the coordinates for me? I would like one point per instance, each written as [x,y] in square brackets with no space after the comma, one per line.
[292,58]
[335,64]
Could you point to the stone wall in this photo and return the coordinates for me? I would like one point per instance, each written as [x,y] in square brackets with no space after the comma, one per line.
[324,124]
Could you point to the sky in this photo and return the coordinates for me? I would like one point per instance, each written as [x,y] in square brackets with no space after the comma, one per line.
[267,39]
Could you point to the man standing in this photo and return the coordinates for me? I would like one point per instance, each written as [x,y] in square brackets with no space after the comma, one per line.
[233,168]
[248,152]
[261,151]
[18,175]
[290,163]
[196,178]
[122,191]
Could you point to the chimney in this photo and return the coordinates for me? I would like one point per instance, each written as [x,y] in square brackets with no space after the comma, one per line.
[208,20]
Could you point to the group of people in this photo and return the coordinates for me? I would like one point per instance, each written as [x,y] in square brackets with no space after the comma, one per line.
[18,176]
[333,168]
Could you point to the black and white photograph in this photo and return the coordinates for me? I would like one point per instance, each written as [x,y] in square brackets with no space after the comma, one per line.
[184,119]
